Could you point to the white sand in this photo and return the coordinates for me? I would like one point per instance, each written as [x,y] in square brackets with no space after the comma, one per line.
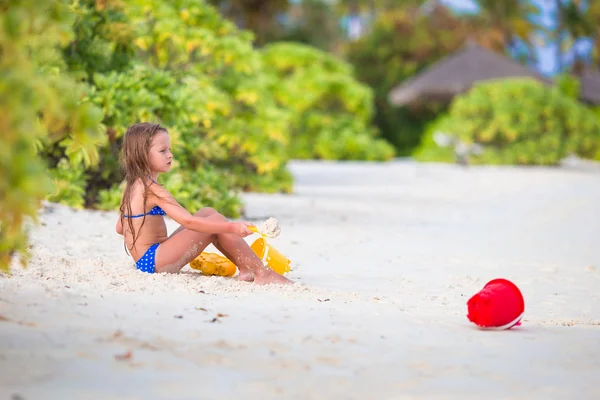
[270,228]
[386,256]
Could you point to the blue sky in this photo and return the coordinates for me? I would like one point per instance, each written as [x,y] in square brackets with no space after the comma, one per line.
[546,54]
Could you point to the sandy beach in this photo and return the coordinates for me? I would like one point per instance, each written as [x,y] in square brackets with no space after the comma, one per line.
[385,257]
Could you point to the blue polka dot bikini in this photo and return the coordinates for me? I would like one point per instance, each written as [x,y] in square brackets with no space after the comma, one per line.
[147,263]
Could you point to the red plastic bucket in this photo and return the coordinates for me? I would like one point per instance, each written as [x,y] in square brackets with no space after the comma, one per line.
[499,305]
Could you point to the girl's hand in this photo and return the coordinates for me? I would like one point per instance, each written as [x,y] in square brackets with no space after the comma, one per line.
[241,229]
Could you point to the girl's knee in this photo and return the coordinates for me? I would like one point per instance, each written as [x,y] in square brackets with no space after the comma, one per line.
[206,212]
[216,217]
[210,213]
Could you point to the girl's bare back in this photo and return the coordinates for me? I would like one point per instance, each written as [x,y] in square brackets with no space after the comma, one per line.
[148,229]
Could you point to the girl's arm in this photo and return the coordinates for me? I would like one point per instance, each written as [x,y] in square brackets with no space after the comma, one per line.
[180,215]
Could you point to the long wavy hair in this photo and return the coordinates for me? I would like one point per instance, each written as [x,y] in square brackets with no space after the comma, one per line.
[136,165]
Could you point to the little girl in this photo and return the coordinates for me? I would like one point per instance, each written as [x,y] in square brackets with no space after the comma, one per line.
[145,153]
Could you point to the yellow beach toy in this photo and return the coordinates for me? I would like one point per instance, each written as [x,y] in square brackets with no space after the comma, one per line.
[213,264]
[270,256]
[216,264]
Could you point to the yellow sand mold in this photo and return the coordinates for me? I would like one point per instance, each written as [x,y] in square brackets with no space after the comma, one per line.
[271,256]
[216,264]
[213,264]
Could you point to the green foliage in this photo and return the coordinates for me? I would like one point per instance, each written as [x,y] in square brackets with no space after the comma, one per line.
[182,64]
[69,184]
[103,38]
[110,199]
[428,150]
[75,74]
[313,22]
[259,16]
[593,19]
[224,103]
[596,111]
[403,42]
[521,121]
[329,110]
[209,187]
[508,25]
[568,85]
[228,116]
[40,105]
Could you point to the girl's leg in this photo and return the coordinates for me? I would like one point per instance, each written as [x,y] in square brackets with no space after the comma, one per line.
[243,256]
[185,245]
[245,274]
[178,250]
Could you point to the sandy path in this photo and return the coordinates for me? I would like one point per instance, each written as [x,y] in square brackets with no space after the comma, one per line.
[386,256]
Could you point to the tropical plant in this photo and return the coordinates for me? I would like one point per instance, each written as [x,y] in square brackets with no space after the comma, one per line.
[593,20]
[258,16]
[311,22]
[517,121]
[507,25]
[182,64]
[403,42]
[40,105]
[572,24]
[330,111]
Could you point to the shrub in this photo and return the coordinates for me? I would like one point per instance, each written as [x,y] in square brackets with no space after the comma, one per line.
[69,184]
[40,105]
[330,111]
[520,121]
[403,42]
[596,111]
[179,63]
[429,150]
[75,74]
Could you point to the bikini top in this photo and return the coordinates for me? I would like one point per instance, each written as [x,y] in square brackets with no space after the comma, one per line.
[156,210]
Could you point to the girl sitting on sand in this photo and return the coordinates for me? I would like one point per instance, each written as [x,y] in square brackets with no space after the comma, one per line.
[145,153]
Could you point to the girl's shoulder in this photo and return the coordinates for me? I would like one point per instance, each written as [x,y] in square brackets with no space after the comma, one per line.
[139,191]
[152,190]
[137,188]
[140,186]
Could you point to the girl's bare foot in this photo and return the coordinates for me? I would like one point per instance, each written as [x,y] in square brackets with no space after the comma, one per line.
[270,277]
[245,274]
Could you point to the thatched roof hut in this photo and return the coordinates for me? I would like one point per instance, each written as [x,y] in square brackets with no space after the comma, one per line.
[457,73]
[590,87]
